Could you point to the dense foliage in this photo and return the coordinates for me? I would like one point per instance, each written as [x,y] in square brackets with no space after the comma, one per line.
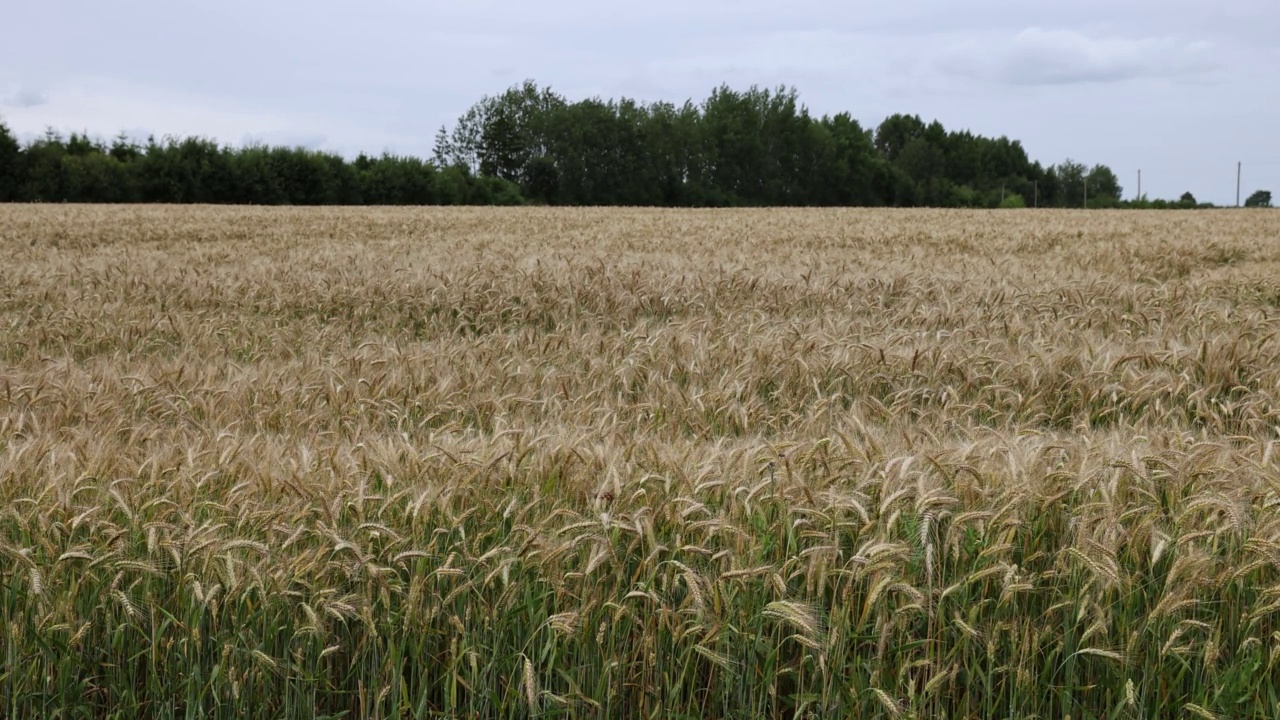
[197,170]
[757,147]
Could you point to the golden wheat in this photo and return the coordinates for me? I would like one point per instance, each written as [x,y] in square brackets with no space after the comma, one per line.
[638,463]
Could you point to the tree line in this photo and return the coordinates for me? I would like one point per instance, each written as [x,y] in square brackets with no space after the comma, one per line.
[197,170]
[754,147]
[757,147]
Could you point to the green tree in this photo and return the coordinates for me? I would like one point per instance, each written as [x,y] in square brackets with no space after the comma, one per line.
[849,162]
[257,180]
[1070,180]
[399,180]
[462,146]
[97,177]
[752,147]
[43,180]
[1259,199]
[11,161]
[733,146]
[124,149]
[892,186]
[453,185]
[672,137]
[1013,201]
[921,160]
[515,130]
[495,191]
[895,133]
[1104,187]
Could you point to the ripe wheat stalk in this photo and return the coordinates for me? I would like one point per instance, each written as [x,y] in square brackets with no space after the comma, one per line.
[605,463]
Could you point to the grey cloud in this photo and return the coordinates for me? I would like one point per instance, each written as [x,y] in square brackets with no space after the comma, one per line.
[386,75]
[1037,56]
[25,98]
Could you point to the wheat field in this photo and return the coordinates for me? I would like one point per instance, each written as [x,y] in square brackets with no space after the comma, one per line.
[475,463]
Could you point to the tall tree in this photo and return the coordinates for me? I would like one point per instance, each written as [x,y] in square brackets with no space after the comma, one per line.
[516,131]
[1071,183]
[1259,199]
[852,161]
[895,133]
[751,147]
[11,169]
[42,162]
[1104,187]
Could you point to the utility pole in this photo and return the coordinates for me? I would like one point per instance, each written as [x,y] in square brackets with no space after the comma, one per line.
[1139,185]
[1036,202]
[1237,183]
[1085,183]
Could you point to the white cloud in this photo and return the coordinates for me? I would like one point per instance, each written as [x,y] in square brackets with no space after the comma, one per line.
[1037,56]
[1121,83]
[104,107]
[24,98]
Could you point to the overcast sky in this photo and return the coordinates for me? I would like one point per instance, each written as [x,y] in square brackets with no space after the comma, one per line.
[1179,88]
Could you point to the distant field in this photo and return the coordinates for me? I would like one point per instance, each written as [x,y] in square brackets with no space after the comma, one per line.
[472,463]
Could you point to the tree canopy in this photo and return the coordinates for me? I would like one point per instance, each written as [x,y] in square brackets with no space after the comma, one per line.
[198,170]
[752,147]
[1259,199]
[758,147]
